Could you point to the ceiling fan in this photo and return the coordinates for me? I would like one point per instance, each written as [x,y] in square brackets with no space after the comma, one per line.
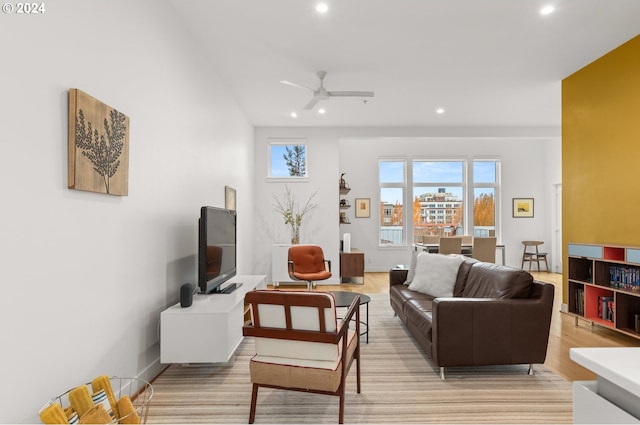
[323,94]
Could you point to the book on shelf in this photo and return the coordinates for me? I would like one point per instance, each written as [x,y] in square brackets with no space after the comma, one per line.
[579,301]
[606,308]
[623,277]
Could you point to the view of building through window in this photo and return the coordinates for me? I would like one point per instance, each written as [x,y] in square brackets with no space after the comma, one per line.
[438,199]
[392,189]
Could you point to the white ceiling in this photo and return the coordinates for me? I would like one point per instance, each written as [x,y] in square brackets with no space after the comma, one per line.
[487,62]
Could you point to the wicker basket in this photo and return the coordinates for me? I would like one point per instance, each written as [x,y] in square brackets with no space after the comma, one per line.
[139,390]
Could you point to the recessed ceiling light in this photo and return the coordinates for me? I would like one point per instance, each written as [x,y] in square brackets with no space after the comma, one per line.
[547,10]
[321,111]
[294,115]
[322,8]
[440,111]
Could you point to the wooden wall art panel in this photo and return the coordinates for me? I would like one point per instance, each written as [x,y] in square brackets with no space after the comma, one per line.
[98,146]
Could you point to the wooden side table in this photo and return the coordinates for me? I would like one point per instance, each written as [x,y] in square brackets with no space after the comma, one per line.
[351,265]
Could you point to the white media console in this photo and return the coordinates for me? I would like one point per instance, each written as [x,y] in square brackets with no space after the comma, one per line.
[210,330]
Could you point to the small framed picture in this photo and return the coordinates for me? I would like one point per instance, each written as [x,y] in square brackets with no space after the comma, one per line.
[363,207]
[523,207]
[229,198]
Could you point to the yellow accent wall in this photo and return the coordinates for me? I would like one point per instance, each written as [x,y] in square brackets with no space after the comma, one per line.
[601,151]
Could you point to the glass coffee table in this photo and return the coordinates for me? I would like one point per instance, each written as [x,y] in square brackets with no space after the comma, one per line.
[345,298]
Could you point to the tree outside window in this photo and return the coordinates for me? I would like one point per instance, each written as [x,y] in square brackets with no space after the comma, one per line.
[287,159]
[485,189]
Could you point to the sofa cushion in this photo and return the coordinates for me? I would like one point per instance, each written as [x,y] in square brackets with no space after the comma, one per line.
[436,274]
[418,313]
[487,280]
[463,272]
[412,268]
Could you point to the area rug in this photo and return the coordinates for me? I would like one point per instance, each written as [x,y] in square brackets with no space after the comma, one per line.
[399,385]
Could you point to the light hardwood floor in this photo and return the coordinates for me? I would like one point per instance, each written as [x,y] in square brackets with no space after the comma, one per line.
[564,334]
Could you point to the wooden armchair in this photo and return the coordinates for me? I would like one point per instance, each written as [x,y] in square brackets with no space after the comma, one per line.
[300,344]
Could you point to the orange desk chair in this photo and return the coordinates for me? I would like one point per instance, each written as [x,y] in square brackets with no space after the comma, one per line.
[306,263]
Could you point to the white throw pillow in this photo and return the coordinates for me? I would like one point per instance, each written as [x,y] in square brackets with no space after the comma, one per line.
[436,274]
[412,267]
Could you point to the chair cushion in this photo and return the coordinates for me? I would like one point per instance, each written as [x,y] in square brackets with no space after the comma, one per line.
[307,258]
[302,318]
[299,373]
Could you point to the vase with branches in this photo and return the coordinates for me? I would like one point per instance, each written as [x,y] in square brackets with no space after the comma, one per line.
[292,213]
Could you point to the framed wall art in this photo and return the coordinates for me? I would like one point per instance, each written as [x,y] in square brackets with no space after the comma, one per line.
[229,198]
[523,207]
[98,146]
[363,207]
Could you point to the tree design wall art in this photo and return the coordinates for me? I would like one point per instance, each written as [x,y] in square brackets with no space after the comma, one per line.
[98,146]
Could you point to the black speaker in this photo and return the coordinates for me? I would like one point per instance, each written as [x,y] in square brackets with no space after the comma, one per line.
[186,295]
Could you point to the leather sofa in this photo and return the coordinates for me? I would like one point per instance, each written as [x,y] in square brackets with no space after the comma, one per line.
[497,316]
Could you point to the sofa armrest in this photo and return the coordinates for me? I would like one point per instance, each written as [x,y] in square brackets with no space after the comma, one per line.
[397,276]
[478,331]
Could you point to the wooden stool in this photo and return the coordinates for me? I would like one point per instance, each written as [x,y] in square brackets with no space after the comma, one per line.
[534,257]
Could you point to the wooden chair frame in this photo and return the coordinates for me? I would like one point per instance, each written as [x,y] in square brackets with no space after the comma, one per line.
[534,257]
[288,300]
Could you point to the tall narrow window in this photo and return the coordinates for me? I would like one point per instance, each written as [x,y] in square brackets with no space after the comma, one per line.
[392,179]
[438,198]
[486,187]
[287,159]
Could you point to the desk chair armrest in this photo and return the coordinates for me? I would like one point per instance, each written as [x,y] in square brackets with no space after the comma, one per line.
[328,265]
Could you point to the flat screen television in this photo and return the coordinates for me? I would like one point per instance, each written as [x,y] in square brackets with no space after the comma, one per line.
[216,248]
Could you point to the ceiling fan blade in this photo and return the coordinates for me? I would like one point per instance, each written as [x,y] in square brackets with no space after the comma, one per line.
[351,93]
[300,86]
[313,102]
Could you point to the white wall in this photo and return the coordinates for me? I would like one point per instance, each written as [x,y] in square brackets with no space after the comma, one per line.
[321,225]
[84,275]
[529,169]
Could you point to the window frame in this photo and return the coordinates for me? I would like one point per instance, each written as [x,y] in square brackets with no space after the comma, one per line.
[287,142]
[393,185]
[496,186]
[463,185]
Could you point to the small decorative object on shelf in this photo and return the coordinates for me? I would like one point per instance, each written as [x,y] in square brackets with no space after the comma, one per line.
[344,204]
[292,213]
[343,182]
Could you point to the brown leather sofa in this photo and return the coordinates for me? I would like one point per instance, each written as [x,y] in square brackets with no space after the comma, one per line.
[498,315]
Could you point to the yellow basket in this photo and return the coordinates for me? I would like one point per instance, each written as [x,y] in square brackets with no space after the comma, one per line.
[138,390]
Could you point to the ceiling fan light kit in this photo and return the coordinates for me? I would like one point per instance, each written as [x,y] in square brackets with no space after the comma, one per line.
[321,93]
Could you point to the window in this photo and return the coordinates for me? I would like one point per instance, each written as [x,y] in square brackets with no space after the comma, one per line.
[392,177]
[287,159]
[485,195]
[438,192]
[439,199]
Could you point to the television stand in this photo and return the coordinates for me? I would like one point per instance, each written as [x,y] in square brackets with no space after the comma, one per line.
[211,329]
[229,289]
